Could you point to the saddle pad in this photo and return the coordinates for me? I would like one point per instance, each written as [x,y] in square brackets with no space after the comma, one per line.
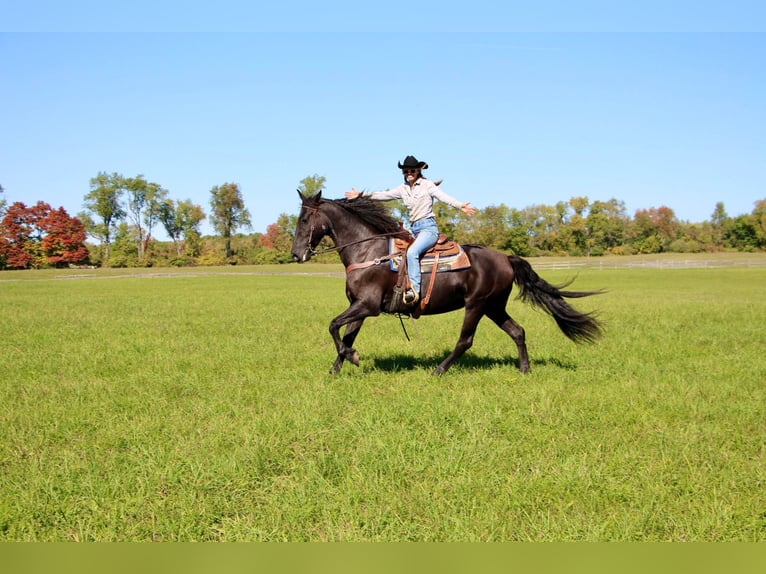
[453,262]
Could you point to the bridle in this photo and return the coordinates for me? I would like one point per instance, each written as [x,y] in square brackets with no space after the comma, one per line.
[312,226]
[377,261]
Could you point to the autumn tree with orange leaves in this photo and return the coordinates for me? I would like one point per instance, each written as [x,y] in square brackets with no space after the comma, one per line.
[39,236]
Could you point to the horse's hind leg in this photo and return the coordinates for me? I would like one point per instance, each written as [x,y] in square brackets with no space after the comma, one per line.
[503,320]
[470,322]
[352,330]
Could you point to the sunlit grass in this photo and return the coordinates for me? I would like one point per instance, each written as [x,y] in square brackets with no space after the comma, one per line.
[195,406]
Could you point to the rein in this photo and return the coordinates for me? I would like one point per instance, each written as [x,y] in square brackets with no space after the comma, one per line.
[312,227]
[339,247]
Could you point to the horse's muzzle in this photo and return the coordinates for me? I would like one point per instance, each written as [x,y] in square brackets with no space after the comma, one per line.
[302,257]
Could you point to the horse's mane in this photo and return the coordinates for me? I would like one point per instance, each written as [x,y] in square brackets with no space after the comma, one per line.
[369,211]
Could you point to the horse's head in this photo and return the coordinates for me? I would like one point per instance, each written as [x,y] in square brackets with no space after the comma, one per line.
[311,228]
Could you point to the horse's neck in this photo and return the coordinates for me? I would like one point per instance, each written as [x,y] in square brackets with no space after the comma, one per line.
[354,239]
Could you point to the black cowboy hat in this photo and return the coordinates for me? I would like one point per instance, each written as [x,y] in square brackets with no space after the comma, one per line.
[411,161]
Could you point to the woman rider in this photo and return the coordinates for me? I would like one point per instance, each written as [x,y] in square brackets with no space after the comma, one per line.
[418,195]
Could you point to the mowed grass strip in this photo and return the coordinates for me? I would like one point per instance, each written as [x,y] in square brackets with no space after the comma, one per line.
[198,407]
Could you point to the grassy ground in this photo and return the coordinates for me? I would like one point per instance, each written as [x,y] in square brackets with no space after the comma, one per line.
[196,406]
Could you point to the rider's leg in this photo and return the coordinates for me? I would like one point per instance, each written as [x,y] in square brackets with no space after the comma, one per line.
[426,234]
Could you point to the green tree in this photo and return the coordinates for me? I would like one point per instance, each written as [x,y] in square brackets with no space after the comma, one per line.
[543,222]
[489,227]
[576,227]
[607,222]
[518,234]
[741,233]
[124,247]
[579,205]
[103,203]
[312,185]
[228,212]
[447,218]
[718,220]
[181,220]
[144,205]
[759,222]
[701,233]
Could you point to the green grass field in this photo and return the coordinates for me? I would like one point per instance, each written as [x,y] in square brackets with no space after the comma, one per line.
[182,405]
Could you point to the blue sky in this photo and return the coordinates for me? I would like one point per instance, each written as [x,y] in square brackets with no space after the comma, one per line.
[652,113]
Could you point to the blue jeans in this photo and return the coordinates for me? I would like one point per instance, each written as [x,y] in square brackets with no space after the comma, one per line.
[426,234]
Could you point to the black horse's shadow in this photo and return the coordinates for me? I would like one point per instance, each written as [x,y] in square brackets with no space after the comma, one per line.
[401,362]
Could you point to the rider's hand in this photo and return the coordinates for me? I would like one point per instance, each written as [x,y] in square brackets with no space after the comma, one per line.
[353,194]
[468,209]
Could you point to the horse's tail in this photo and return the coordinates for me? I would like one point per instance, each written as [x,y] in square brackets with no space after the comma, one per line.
[579,327]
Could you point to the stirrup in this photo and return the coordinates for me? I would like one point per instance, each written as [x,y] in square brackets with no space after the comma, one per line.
[410,297]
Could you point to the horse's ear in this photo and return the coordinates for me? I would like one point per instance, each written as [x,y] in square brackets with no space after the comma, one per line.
[303,197]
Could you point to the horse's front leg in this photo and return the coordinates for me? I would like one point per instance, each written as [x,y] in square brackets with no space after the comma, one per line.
[354,316]
[352,330]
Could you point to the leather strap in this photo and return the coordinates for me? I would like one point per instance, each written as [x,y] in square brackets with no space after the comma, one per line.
[424,302]
[366,264]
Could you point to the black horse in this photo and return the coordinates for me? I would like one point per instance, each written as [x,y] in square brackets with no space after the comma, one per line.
[361,229]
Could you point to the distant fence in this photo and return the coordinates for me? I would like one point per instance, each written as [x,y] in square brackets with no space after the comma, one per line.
[650,263]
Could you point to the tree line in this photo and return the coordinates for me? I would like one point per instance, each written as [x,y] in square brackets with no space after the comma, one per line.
[121,215]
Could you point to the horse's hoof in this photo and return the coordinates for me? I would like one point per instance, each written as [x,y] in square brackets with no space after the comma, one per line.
[354,359]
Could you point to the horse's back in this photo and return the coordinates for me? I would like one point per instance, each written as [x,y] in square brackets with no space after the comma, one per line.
[485,259]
